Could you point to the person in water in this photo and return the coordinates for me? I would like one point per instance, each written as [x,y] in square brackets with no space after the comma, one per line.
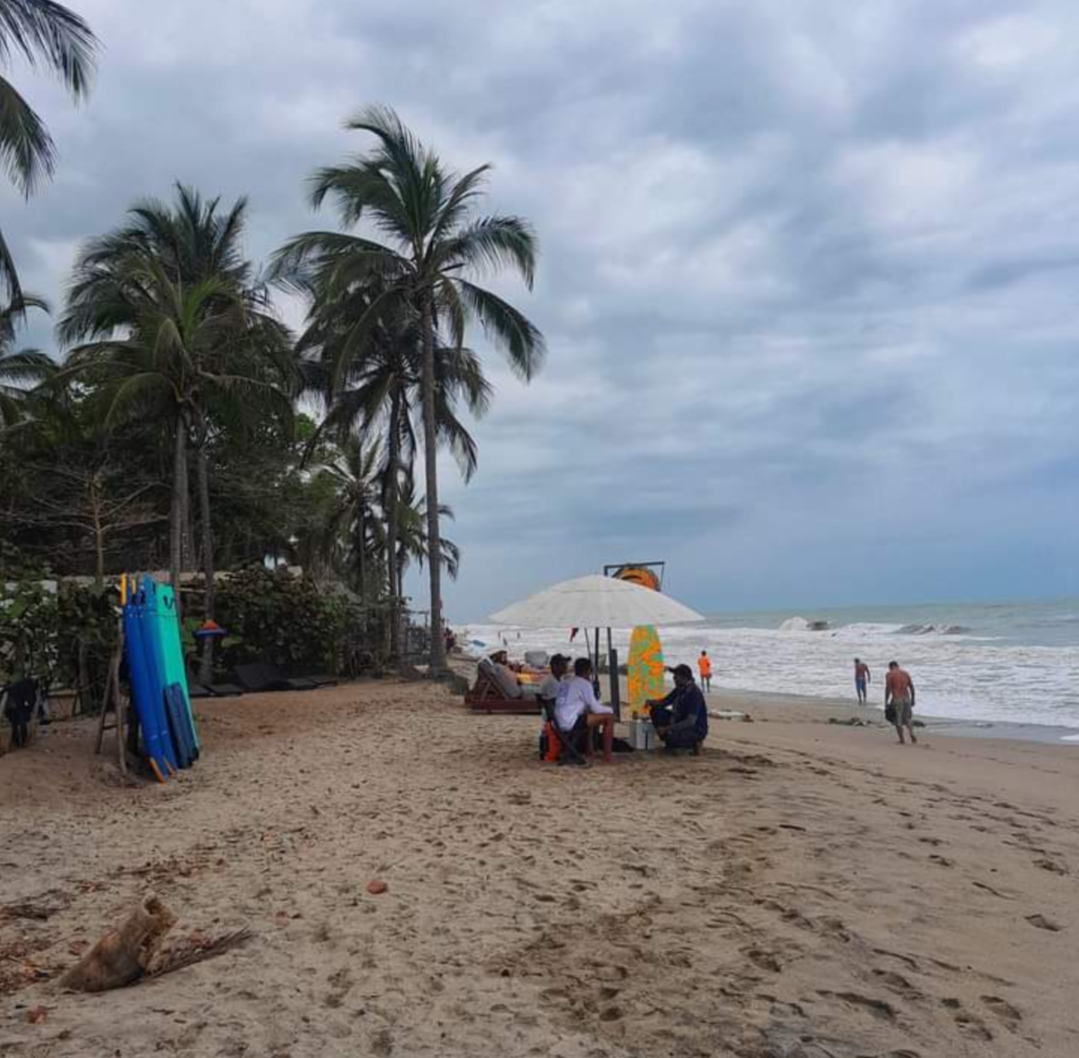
[577,710]
[681,718]
[899,694]
[704,667]
[861,680]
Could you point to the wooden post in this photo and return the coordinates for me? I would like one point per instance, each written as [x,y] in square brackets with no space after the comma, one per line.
[115,699]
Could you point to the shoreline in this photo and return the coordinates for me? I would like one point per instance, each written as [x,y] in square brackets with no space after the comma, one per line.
[1048,734]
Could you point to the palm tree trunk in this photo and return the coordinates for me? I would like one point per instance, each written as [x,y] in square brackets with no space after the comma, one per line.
[206,664]
[361,552]
[392,508]
[430,459]
[176,514]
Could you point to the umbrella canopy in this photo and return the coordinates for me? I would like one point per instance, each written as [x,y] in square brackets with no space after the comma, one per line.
[595,602]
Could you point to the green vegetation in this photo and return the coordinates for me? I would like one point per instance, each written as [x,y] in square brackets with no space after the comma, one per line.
[180,424]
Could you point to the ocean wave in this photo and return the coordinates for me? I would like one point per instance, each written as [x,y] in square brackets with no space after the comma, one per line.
[932,630]
[800,624]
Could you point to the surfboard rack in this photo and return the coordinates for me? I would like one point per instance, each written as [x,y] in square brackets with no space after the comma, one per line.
[114,703]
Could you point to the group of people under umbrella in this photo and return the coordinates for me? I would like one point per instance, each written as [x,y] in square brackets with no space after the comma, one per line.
[576,716]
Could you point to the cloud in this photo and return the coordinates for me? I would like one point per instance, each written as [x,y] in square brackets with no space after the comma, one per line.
[807,280]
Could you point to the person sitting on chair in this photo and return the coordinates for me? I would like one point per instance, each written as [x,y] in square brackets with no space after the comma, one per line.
[577,711]
[551,683]
[681,718]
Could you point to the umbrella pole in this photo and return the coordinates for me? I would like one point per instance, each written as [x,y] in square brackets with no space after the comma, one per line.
[612,664]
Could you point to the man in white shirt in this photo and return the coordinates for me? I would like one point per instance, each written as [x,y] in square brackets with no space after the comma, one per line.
[578,712]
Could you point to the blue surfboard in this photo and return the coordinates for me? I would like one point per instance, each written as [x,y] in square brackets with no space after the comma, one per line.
[145,607]
[143,692]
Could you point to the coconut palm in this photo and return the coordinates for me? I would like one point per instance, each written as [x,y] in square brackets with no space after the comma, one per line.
[435,248]
[44,33]
[375,389]
[349,532]
[181,336]
[413,545]
[19,367]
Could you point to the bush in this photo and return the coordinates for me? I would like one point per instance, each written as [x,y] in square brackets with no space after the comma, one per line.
[62,636]
[274,616]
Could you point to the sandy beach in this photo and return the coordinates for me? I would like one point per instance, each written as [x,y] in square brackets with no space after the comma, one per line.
[802,890]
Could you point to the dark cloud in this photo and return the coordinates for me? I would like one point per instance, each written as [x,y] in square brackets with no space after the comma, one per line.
[808,273]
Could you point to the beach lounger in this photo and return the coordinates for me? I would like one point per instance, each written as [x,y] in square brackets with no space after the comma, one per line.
[486,696]
[260,677]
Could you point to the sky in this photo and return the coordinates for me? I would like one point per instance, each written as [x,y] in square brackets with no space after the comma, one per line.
[808,276]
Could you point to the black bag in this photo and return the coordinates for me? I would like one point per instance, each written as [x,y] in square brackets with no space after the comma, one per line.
[889,712]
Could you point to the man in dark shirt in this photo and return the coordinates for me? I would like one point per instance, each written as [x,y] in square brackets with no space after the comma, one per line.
[681,718]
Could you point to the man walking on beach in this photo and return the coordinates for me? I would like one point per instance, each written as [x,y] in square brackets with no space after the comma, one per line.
[861,680]
[704,667]
[899,700]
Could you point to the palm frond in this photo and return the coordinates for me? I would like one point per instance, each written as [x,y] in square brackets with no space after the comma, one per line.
[27,152]
[490,244]
[47,32]
[507,327]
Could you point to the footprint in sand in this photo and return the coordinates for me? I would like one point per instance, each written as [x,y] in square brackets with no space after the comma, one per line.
[1041,922]
[898,983]
[1005,1011]
[971,1026]
[878,1008]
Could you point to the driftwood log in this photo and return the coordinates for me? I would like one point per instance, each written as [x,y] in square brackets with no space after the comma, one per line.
[124,954]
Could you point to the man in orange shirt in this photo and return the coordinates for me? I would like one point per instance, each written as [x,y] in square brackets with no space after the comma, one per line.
[704,667]
[899,698]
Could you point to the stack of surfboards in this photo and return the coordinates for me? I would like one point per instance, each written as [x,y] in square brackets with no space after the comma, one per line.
[155,665]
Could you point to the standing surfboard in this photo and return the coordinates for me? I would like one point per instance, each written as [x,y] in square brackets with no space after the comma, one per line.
[155,736]
[146,608]
[175,673]
[153,637]
[644,669]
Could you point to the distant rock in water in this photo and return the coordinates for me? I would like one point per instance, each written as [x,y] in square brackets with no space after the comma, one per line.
[800,624]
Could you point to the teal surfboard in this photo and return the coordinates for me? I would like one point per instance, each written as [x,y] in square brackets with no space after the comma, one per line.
[175,672]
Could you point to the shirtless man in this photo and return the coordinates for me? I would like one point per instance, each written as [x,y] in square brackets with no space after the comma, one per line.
[899,693]
[861,680]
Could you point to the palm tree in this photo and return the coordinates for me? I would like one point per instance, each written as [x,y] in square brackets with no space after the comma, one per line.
[413,546]
[349,529]
[179,335]
[46,33]
[374,389]
[435,247]
[22,366]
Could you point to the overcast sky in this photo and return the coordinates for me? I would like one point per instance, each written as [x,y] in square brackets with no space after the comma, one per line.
[809,278]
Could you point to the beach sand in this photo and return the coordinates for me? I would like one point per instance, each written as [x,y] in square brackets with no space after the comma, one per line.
[801,890]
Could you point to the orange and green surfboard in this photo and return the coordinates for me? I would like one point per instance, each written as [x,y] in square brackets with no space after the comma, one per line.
[644,669]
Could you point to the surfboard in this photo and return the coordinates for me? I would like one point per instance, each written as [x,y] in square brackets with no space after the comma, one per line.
[175,673]
[146,607]
[143,691]
[644,669]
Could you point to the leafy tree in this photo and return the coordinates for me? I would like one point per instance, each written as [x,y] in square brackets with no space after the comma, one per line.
[45,33]
[435,246]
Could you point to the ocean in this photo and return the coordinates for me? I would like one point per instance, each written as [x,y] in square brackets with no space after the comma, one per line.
[1014,661]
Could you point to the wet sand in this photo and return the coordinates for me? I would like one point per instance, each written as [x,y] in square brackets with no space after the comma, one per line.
[802,890]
